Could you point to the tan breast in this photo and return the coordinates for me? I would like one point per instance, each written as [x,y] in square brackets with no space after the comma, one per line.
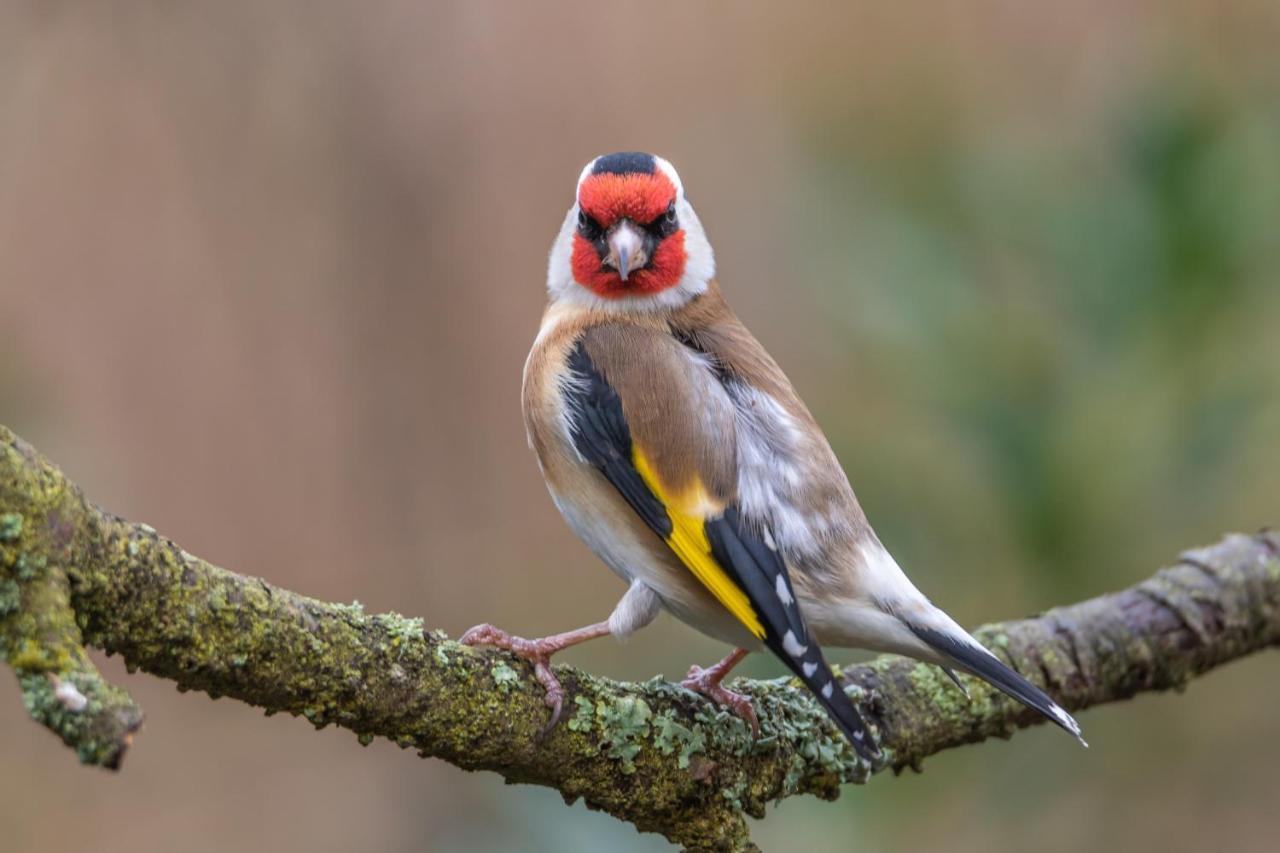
[591,506]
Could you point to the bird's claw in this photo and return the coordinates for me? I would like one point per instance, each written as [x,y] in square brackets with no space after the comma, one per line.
[706,682]
[537,652]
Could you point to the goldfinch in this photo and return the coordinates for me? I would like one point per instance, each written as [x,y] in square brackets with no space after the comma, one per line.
[677,450]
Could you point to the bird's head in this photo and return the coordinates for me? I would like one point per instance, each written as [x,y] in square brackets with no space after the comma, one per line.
[631,240]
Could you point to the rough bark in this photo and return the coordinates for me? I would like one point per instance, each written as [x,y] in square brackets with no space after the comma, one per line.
[73,575]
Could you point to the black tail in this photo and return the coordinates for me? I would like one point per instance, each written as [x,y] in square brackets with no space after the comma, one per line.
[973,658]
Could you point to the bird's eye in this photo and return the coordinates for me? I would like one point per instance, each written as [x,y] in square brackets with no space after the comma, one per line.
[665,225]
[586,224]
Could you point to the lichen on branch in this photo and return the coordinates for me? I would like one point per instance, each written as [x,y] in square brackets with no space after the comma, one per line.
[43,534]
[652,754]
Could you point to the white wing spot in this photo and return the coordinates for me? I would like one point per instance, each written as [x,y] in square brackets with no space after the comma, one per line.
[792,646]
[809,669]
[784,593]
[826,690]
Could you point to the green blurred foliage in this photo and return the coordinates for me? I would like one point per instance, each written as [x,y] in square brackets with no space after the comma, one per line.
[1079,338]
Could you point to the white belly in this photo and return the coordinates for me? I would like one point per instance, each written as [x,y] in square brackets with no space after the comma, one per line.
[622,551]
[611,529]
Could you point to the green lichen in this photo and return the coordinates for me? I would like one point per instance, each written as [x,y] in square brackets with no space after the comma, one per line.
[10,597]
[584,718]
[10,526]
[624,726]
[731,731]
[998,639]
[217,598]
[941,694]
[504,677]
[92,726]
[27,567]
[828,753]
[402,630]
[671,736]
[27,655]
[732,794]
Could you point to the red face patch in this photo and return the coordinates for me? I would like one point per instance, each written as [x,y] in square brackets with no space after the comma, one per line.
[641,198]
[663,270]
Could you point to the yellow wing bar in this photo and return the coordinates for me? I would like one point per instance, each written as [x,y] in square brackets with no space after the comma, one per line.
[688,539]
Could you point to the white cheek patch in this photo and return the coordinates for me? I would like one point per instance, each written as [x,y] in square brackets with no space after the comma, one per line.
[560,283]
[670,171]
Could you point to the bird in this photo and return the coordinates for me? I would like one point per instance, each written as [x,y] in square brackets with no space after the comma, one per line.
[678,451]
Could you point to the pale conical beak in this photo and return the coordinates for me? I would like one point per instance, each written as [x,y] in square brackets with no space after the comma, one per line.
[626,249]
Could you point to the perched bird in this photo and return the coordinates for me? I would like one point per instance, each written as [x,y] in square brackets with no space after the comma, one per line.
[677,450]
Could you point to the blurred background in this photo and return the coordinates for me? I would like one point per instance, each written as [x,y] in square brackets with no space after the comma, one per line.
[268,274]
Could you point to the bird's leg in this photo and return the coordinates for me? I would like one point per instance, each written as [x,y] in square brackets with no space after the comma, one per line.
[707,683]
[538,652]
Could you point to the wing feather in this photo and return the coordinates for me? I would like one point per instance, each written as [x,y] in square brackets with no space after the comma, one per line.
[688,538]
[709,536]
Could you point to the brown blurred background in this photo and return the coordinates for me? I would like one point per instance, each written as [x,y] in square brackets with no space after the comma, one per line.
[268,273]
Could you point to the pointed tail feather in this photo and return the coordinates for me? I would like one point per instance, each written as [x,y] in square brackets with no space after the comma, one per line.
[970,656]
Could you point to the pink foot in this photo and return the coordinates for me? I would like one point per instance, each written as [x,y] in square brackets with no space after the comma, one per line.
[537,652]
[706,682]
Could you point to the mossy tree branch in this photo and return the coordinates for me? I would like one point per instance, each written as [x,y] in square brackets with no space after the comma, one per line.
[73,575]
